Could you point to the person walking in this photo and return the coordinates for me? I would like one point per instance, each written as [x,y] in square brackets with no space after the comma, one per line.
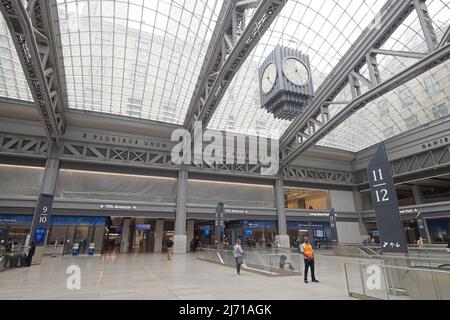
[238,255]
[30,254]
[169,245]
[308,255]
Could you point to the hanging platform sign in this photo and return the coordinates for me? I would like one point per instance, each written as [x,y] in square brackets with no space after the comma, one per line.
[384,197]
[219,224]
[41,221]
[334,234]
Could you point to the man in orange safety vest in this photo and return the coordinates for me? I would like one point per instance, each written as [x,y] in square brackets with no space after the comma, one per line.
[308,254]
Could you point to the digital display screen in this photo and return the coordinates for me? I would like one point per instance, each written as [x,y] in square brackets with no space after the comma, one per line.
[318,233]
[39,235]
[249,232]
[207,231]
[375,233]
[143,226]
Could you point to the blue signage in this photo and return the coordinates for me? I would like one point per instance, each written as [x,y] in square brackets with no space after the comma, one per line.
[143,227]
[16,219]
[13,219]
[39,236]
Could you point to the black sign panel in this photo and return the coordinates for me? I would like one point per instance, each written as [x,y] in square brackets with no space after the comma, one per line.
[334,235]
[421,227]
[392,237]
[41,218]
[219,226]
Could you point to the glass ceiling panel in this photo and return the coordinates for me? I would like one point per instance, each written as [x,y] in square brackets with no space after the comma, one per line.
[408,107]
[324,30]
[414,104]
[13,83]
[135,58]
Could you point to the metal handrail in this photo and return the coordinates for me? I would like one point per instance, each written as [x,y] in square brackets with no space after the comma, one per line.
[388,288]
[397,267]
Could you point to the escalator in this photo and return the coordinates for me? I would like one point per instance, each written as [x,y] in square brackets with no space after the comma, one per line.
[368,251]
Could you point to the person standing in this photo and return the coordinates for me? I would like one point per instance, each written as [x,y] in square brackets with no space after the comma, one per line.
[238,255]
[30,254]
[169,244]
[308,255]
[420,245]
[276,246]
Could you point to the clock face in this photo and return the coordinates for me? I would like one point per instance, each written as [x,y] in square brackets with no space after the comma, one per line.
[296,71]
[268,78]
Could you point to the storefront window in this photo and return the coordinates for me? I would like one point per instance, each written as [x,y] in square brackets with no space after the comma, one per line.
[308,199]
[318,232]
[435,194]
[253,233]
[439,230]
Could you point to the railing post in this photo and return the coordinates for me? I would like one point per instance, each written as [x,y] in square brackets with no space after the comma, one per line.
[436,286]
[362,279]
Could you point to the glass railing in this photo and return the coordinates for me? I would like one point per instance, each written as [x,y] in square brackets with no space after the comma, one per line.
[266,262]
[12,259]
[388,282]
[2,258]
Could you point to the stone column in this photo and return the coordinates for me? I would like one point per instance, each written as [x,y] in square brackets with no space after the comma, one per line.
[189,233]
[359,209]
[159,231]
[418,195]
[125,240]
[180,239]
[282,236]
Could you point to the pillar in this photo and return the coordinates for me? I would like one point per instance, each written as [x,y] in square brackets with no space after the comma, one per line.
[125,241]
[282,236]
[417,193]
[42,211]
[359,209]
[180,238]
[189,233]
[159,231]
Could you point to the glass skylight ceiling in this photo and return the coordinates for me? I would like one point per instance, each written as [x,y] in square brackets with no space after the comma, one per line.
[323,29]
[136,58]
[418,102]
[13,83]
[143,58]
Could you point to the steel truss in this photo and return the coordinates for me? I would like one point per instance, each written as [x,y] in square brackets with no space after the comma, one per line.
[427,160]
[38,147]
[316,122]
[318,175]
[232,42]
[32,33]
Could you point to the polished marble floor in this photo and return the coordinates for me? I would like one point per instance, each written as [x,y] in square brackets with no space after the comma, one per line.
[152,276]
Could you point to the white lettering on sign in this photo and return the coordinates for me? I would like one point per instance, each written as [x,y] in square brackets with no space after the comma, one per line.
[319,214]
[118,207]
[236,211]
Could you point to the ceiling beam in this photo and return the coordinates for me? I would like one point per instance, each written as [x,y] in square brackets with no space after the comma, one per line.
[311,137]
[232,42]
[391,16]
[31,29]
